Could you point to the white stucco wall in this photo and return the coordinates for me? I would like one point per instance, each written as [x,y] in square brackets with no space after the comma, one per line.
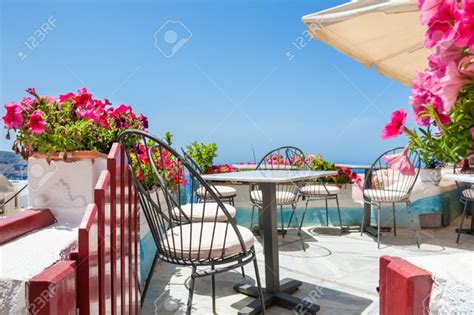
[65,188]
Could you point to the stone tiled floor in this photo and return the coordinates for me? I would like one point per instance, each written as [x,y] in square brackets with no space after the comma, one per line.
[340,272]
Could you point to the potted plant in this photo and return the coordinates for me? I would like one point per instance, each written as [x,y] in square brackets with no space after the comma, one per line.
[220,169]
[344,174]
[443,94]
[431,173]
[202,154]
[65,140]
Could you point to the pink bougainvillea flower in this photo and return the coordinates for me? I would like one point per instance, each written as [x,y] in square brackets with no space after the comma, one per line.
[428,9]
[32,91]
[401,162]
[472,133]
[123,109]
[36,122]
[27,103]
[465,28]
[66,97]
[396,125]
[466,66]
[451,83]
[87,114]
[440,17]
[84,98]
[14,116]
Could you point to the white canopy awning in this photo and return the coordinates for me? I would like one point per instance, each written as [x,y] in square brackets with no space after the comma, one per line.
[383,33]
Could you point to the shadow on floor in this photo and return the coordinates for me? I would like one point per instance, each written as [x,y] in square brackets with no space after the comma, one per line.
[331,301]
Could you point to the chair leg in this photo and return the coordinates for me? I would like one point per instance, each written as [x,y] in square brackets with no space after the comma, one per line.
[339,213]
[242,267]
[362,225]
[291,217]
[282,221]
[191,291]
[293,206]
[213,289]
[413,225]
[259,284]
[379,210]
[327,212]
[300,225]
[466,205]
[251,218]
[394,220]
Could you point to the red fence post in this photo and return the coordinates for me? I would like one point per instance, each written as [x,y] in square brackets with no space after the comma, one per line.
[103,208]
[123,233]
[113,160]
[88,260]
[53,291]
[404,287]
[137,254]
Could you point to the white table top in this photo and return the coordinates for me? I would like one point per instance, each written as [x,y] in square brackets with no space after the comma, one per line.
[244,166]
[267,176]
[465,178]
[355,166]
[248,167]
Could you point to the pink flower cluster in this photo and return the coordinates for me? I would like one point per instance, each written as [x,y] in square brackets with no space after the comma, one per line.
[276,159]
[167,165]
[450,36]
[220,169]
[85,107]
[16,113]
[43,122]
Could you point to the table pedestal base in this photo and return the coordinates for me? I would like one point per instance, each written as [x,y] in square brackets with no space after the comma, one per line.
[372,230]
[281,298]
[465,231]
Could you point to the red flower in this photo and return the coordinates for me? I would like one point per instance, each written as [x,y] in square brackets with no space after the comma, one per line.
[396,125]
[14,116]
[37,122]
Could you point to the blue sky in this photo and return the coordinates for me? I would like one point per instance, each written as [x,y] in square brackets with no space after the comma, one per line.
[230,82]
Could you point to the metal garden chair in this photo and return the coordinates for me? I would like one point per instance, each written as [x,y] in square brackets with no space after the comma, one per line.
[317,190]
[467,197]
[205,238]
[225,193]
[283,158]
[384,185]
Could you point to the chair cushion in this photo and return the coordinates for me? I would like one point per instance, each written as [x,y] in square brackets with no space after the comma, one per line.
[224,191]
[190,244]
[320,190]
[384,195]
[282,197]
[209,209]
[468,193]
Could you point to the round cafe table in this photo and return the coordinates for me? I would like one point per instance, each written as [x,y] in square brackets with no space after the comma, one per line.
[275,293]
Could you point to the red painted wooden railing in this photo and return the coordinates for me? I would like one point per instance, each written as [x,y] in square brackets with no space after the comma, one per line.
[107,264]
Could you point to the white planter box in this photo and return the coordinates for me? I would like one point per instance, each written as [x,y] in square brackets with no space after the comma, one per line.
[64,186]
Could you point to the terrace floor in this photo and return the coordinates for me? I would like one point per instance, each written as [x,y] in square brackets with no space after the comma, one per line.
[340,271]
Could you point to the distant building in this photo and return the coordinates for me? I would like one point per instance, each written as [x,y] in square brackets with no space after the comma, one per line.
[7,191]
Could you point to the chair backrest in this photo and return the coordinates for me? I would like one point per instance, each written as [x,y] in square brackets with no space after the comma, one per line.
[283,158]
[387,181]
[458,169]
[201,172]
[164,180]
